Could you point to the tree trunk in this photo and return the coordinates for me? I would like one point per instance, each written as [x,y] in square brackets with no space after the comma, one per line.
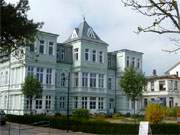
[134,111]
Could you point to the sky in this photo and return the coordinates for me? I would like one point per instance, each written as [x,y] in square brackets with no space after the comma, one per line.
[114,23]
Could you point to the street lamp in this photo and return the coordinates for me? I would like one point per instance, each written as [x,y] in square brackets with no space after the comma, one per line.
[68,121]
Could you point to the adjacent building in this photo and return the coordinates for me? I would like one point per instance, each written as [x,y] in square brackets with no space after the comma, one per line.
[164,89]
[94,74]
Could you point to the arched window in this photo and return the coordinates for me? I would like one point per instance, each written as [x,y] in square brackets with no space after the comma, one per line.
[63,80]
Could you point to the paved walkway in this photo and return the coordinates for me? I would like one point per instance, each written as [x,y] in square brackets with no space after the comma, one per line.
[21,129]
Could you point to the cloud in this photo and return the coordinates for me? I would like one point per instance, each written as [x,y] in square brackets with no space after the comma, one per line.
[113,22]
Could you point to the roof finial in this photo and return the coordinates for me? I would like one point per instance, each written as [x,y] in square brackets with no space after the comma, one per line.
[84,19]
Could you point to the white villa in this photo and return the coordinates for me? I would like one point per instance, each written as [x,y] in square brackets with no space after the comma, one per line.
[164,89]
[94,74]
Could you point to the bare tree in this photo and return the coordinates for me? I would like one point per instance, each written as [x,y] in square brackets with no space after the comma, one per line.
[161,12]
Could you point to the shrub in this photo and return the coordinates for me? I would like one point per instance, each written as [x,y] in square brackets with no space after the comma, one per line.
[117,115]
[95,126]
[154,113]
[81,114]
[172,112]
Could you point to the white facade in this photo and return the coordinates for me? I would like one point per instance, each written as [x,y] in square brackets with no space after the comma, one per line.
[163,89]
[94,75]
[175,70]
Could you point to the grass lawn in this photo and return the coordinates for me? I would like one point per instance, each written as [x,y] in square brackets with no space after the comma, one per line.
[130,120]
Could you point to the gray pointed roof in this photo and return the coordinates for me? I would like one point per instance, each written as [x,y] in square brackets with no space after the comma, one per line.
[83,32]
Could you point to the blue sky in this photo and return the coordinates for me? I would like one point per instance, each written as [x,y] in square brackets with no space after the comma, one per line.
[114,23]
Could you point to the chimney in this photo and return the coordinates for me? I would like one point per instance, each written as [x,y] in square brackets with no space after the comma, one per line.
[154,72]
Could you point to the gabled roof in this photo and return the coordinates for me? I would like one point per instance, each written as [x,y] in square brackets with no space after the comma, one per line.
[84,31]
[178,63]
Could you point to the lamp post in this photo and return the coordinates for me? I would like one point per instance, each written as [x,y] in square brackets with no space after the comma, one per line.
[68,121]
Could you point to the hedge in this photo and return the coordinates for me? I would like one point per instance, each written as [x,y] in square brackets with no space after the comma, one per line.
[94,126]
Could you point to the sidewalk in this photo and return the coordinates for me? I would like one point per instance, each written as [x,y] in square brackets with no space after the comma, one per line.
[21,129]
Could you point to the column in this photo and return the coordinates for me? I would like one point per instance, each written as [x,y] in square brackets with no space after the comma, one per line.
[88,103]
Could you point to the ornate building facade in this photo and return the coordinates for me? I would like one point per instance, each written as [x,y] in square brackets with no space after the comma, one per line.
[94,74]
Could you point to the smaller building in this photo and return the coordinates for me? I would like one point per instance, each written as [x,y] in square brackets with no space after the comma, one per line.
[175,70]
[163,89]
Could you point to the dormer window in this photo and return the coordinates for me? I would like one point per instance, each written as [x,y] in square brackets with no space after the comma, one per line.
[90,33]
[74,34]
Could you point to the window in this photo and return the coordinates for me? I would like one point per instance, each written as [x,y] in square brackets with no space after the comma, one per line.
[30,70]
[6,77]
[175,85]
[101,57]
[162,85]
[109,83]
[63,80]
[75,102]
[101,103]
[111,101]
[94,56]
[39,74]
[41,47]
[62,54]
[177,73]
[51,48]
[92,102]
[127,61]
[62,102]
[31,48]
[76,79]
[85,79]
[84,102]
[28,104]
[145,102]
[152,85]
[90,33]
[133,62]
[86,54]
[101,80]
[163,101]
[39,102]
[48,76]
[171,102]
[138,63]
[76,54]
[93,80]
[48,102]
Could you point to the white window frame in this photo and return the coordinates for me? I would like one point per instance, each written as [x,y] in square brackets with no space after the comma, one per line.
[38,102]
[93,80]
[100,103]
[49,76]
[39,74]
[94,58]
[48,102]
[76,79]
[30,70]
[101,58]
[62,102]
[101,80]
[92,103]
[84,102]
[51,44]
[63,79]
[76,54]
[41,44]
[84,79]
[86,54]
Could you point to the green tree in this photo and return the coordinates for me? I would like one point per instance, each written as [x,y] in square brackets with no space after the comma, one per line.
[16,29]
[31,87]
[132,83]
